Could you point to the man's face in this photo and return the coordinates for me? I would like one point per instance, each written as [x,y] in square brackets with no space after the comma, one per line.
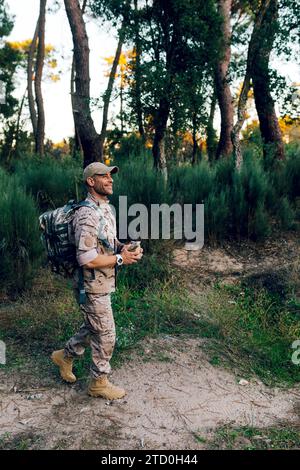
[102,184]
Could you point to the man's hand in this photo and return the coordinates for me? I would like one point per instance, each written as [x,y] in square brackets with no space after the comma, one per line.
[130,257]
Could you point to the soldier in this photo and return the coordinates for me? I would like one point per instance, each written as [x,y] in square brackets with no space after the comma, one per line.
[98,252]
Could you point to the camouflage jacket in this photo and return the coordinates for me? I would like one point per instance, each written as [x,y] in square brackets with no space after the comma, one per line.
[95,233]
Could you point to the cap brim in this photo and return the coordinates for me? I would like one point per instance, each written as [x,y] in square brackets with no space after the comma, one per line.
[113,169]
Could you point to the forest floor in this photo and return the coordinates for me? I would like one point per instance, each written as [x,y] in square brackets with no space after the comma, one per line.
[177,397]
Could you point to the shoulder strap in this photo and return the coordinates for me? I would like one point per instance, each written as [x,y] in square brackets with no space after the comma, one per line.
[73,205]
[85,203]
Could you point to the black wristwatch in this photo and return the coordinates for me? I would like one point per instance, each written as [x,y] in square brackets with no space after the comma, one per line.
[119,260]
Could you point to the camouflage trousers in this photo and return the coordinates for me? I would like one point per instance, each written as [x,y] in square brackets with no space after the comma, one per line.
[98,331]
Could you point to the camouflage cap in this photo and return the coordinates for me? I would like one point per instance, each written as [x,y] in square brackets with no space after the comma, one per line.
[97,168]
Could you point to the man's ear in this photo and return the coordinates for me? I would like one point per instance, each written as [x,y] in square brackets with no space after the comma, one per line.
[90,181]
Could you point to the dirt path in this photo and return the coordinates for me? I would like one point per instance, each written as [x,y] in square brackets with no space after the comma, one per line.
[168,402]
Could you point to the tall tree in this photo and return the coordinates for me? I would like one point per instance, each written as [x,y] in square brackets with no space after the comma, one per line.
[254,44]
[40,129]
[77,141]
[30,74]
[264,102]
[179,47]
[211,135]
[137,86]
[81,99]
[36,103]
[222,82]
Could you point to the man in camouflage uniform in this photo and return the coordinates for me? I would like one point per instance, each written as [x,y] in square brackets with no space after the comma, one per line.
[98,252]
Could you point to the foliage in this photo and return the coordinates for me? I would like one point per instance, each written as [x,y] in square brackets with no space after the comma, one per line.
[260,326]
[20,246]
[51,182]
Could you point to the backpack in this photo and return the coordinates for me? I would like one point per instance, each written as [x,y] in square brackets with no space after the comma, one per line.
[58,236]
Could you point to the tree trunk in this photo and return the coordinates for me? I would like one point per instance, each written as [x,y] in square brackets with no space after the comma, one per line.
[77,141]
[31,102]
[19,123]
[241,111]
[108,92]
[40,131]
[158,150]
[210,131]
[221,83]
[81,100]
[195,153]
[137,73]
[269,126]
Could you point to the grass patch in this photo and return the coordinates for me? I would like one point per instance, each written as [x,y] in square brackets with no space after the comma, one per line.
[251,438]
[256,332]
[20,441]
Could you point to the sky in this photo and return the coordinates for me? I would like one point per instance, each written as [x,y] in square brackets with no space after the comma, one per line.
[102,43]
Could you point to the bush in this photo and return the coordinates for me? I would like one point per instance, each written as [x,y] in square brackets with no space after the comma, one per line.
[191,185]
[52,183]
[286,214]
[20,245]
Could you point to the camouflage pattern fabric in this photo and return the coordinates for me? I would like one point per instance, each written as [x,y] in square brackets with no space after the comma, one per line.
[95,233]
[98,330]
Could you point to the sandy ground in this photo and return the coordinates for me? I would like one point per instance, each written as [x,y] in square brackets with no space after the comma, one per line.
[167,403]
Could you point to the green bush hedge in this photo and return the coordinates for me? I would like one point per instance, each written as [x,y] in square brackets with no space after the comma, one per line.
[20,245]
[52,183]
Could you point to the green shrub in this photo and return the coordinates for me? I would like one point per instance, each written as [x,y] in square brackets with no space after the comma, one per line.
[286,214]
[50,182]
[217,210]
[127,148]
[191,185]
[292,175]
[20,245]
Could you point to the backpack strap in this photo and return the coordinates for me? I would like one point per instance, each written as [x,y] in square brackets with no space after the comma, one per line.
[85,203]
[81,289]
[76,205]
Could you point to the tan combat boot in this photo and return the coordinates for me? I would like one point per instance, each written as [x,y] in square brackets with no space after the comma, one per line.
[64,364]
[101,387]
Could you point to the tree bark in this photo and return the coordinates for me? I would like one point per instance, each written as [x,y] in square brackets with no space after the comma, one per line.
[81,99]
[19,122]
[31,102]
[196,150]
[108,92]
[241,111]
[137,73]
[269,126]
[221,83]
[40,130]
[77,141]
[210,131]
[158,150]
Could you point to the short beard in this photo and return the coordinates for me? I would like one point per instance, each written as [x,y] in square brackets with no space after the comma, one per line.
[100,190]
